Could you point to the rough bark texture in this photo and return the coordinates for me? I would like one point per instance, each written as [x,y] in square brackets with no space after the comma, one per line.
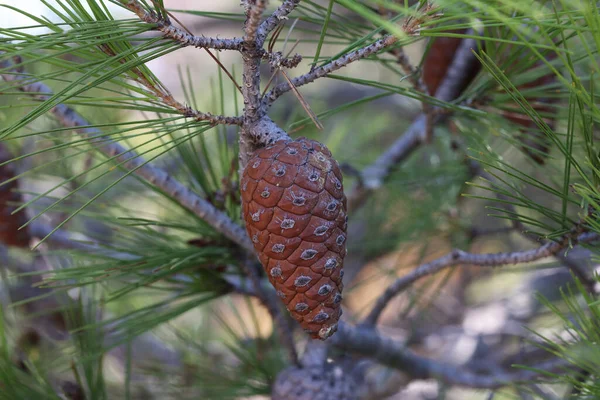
[328,383]
[318,378]
[295,212]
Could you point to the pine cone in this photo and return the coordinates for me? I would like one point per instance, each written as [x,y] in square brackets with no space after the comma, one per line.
[295,212]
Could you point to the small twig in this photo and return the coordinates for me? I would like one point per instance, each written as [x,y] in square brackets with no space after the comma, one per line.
[167,98]
[391,353]
[413,75]
[459,257]
[275,19]
[277,60]
[156,176]
[415,78]
[172,32]
[580,271]
[410,27]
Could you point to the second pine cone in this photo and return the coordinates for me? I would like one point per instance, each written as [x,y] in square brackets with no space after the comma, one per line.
[295,212]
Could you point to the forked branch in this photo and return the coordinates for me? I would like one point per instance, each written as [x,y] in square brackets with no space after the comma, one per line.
[327,69]
[410,27]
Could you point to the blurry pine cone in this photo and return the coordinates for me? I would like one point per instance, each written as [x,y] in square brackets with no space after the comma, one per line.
[439,59]
[10,223]
[295,212]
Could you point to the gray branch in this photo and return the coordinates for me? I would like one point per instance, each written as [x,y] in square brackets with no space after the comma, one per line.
[459,257]
[133,162]
[179,35]
[273,305]
[370,343]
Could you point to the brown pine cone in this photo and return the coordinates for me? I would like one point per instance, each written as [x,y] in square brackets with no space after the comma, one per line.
[295,212]
[438,60]
[10,234]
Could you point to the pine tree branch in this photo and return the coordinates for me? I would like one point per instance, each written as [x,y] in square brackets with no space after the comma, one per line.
[179,35]
[327,69]
[368,342]
[393,354]
[167,98]
[252,53]
[275,19]
[373,176]
[413,74]
[459,257]
[133,162]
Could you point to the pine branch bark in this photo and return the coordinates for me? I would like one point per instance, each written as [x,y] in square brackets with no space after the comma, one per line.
[388,352]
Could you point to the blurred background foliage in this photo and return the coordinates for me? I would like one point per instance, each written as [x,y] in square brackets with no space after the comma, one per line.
[148,314]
